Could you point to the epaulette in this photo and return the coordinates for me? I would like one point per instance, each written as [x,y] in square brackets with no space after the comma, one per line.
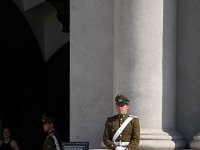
[133,116]
[116,116]
[112,118]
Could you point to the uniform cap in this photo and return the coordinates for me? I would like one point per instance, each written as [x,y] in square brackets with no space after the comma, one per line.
[48,119]
[121,100]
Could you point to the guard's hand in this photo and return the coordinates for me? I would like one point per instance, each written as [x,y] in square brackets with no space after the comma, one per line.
[119,148]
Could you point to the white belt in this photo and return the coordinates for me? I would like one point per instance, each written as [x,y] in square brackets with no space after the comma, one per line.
[121,143]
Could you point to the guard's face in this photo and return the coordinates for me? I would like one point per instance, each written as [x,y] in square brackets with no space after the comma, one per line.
[122,109]
[47,127]
[6,133]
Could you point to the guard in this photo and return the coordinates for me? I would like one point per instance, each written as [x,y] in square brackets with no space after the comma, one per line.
[53,140]
[122,131]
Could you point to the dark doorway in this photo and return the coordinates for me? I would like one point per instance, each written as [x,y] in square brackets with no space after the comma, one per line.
[28,82]
[57,89]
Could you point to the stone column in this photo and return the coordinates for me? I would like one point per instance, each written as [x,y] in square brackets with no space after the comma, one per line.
[145,66]
[195,144]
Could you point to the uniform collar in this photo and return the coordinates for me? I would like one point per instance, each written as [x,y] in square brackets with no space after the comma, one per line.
[122,116]
[51,131]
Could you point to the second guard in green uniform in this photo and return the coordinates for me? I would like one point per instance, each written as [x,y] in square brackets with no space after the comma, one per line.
[53,140]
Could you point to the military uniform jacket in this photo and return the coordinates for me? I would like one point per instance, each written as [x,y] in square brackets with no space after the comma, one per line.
[49,143]
[130,134]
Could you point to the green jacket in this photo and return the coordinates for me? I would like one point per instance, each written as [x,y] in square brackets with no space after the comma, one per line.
[49,143]
[131,133]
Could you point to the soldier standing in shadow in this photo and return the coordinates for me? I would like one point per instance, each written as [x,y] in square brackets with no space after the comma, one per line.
[53,140]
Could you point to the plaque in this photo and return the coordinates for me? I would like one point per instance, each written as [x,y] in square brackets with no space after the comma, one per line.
[76,146]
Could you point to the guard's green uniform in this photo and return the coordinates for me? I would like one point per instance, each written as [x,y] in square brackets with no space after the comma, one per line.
[130,134]
[52,144]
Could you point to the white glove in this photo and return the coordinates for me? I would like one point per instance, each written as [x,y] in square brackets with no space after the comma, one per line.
[120,148]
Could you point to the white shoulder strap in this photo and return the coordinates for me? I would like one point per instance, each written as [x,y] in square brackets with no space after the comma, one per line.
[56,142]
[117,133]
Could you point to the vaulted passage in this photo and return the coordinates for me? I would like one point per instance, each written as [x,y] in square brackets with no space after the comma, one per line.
[30,87]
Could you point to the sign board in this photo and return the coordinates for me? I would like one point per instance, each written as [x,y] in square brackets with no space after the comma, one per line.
[76,146]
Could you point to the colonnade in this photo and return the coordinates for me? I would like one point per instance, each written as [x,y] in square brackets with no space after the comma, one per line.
[148,35]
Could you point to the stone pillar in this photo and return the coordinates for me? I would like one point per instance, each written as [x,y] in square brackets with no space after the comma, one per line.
[145,66]
[195,144]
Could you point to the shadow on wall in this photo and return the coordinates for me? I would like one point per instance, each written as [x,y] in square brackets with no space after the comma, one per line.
[181,67]
[188,70]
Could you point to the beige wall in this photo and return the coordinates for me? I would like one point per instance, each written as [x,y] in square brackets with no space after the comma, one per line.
[91,69]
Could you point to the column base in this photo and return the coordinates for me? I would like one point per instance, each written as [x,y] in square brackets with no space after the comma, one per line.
[158,139]
[195,144]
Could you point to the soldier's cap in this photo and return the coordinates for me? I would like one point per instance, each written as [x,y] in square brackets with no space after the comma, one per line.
[121,100]
[48,119]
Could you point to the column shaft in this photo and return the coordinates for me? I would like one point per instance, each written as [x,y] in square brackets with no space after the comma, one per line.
[140,59]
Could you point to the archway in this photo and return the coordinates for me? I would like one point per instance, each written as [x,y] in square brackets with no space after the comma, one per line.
[23,80]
